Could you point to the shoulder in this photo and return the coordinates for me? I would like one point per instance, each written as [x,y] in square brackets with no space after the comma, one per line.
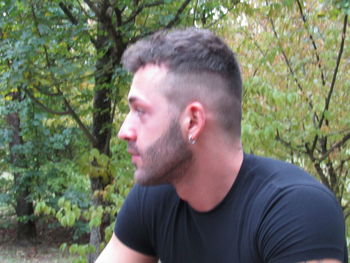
[284,185]
[145,200]
[302,221]
[279,174]
[297,215]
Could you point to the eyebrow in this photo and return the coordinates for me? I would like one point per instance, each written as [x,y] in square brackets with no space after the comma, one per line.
[134,99]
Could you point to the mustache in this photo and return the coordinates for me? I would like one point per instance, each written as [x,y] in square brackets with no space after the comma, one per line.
[132,148]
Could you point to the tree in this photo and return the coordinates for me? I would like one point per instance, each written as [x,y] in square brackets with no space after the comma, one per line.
[66,57]
[26,229]
[295,62]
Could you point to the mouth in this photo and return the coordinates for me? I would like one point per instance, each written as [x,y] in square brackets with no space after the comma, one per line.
[133,153]
[135,156]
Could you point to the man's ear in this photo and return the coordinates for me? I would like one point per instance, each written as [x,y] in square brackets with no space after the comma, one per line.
[193,120]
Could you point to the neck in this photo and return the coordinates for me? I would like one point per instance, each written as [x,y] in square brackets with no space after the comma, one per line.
[210,178]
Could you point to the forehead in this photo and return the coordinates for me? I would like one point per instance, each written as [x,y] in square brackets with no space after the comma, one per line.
[147,81]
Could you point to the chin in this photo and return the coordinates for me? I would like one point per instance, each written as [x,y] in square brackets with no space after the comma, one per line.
[140,178]
[144,179]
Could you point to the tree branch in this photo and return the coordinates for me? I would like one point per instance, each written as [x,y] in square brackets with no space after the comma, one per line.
[109,135]
[118,15]
[317,166]
[288,144]
[335,146]
[321,174]
[93,7]
[47,93]
[170,24]
[285,56]
[331,89]
[49,110]
[333,179]
[347,214]
[178,13]
[73,20]
[35,19]
[195,13]
[313,43]
[68,13]
[139,10]
[308,99]
[343,186]
[70,112]
[66,103]
[106,21]
[223,15]
[84,11]
[85,130]
[122,9]
[262,52]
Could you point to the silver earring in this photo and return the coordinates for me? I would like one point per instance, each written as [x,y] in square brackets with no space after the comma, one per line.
[191,140]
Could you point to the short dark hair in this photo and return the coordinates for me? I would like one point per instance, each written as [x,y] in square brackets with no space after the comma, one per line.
[194,52]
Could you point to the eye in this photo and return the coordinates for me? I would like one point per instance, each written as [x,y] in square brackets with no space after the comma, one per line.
[139,111]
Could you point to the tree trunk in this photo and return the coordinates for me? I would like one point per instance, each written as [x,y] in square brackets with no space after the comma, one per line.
[26,229]
[101,127]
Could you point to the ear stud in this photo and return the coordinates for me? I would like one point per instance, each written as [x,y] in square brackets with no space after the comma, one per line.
[191,140]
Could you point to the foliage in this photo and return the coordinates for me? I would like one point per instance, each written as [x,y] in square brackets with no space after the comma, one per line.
[64,58]
[295,60]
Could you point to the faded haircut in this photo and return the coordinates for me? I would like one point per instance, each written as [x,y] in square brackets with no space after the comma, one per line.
[201,66]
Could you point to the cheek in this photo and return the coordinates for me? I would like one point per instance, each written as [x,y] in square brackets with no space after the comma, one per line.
[150,133]
[147,138]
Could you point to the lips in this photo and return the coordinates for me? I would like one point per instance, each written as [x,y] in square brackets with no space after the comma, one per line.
[135,158]
[133,152]
[132,149]
[135,155]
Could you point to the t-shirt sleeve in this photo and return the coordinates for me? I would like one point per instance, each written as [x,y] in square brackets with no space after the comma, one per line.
[303,223]
[130,227]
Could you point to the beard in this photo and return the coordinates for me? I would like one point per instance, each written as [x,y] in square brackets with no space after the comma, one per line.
[166,160]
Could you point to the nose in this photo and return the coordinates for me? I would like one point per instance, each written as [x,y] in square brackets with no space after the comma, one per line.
[126,131]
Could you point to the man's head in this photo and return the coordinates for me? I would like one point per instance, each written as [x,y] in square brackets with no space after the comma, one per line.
[181,80]
[200,67]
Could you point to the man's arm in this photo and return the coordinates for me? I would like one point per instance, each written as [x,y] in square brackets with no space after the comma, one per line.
[117,252]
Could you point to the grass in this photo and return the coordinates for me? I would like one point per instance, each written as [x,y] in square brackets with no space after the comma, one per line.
[47,249]
[37,254]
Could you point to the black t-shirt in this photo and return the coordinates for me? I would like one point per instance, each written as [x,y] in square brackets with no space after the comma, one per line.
[275,212]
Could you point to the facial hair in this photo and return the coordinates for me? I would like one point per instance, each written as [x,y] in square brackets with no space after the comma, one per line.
[166,160]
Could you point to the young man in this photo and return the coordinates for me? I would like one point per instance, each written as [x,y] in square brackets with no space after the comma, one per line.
[198,197]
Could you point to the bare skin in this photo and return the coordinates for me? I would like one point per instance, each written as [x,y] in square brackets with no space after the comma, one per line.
[217,160]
